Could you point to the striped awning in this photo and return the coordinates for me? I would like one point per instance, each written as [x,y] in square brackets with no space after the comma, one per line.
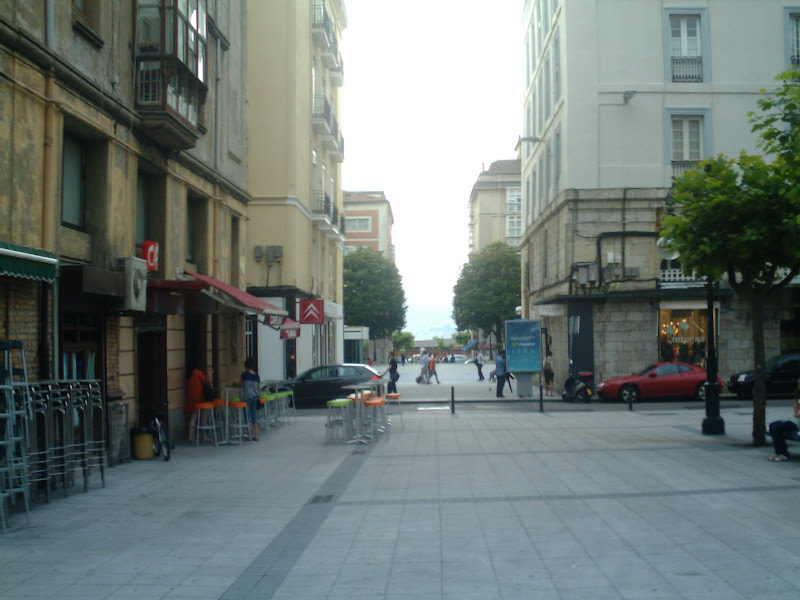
[28,263]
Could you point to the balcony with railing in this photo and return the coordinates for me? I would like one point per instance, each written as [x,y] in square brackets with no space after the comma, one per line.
[321,119]
[681,167]
[687,69]
[337,152]
[336,74]
[675,278]
[322,27]
[330,55]
[171,70]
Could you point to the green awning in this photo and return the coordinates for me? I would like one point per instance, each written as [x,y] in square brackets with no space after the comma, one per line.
[28,263]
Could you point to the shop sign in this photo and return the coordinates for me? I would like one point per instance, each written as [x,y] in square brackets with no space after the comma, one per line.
[150,254]
[552,310]
[312,311]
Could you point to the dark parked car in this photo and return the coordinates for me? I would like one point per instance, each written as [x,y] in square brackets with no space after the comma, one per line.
[313,388]
[660,380]
[782,375]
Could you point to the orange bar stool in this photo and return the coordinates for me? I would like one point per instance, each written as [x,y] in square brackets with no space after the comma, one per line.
[241,423]
[396,397]
[377,412]
[205,412]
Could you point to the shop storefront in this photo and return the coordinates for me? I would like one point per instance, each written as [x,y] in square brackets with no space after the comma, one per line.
[683,329]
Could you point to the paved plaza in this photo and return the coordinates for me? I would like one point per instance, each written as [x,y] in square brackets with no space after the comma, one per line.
[496,501]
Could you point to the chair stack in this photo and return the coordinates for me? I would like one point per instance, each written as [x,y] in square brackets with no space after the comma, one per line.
[14,437]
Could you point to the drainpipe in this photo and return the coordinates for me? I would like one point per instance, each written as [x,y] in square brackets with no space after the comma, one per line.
[50,27]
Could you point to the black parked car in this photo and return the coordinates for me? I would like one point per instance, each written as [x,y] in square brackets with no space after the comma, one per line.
[313,388]
[782,375]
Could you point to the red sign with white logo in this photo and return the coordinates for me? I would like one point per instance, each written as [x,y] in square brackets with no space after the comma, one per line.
[312,312]
[150,254]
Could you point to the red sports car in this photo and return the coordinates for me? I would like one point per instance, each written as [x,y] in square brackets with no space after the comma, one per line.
[661,380]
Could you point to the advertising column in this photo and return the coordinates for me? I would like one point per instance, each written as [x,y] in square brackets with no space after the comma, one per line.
[524,352]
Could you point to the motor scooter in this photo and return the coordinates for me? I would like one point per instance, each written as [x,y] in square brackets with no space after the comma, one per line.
[579,386]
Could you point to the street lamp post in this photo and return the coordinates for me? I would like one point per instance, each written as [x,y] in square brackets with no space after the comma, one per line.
[713,424]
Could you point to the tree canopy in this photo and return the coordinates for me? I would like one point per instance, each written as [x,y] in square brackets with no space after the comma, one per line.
[488,290]
[403,341]
[741,218]
[462,338]
[373,293]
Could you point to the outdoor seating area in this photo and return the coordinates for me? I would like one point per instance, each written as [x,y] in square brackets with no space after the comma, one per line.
[51,434]
[226,420]
[357,418]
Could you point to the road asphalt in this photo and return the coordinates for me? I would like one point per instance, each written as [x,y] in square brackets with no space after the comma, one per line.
[494,501]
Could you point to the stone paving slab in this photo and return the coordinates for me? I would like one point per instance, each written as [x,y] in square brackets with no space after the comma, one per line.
[496,501]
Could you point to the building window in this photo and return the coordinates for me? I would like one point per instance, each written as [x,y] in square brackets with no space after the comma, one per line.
[547,90]
[171,56]
[528,201]
[356,224]
[80,345]
[687,49]
[86,20]
[557,165]
[556,68]
[687,143]
[195,230]
[791,18]
[513,213]
[534,199]
[73,183]
[542,191]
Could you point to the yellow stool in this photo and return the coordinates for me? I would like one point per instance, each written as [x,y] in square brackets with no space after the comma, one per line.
[338,418]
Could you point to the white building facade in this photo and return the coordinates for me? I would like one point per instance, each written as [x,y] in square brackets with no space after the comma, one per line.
[620,98]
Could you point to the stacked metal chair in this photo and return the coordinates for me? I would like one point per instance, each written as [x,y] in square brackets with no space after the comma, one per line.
[15,413]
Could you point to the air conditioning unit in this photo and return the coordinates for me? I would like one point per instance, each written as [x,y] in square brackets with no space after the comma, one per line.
[135,270]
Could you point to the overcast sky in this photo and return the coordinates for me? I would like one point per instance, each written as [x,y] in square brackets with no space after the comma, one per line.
[432,93]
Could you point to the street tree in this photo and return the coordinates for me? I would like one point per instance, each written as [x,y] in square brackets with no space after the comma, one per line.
[741,219]
[488,290]
[373,293]
[462,338]
[403,341]
[441,343]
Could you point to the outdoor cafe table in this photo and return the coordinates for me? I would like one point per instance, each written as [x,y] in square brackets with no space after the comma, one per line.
[359,389]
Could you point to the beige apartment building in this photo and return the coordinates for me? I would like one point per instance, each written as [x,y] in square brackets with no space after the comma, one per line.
[295,230]
[369,221]
[495,206]
[123,194]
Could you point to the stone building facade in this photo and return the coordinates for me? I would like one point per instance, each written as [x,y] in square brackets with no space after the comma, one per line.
[604,137]
[123,125]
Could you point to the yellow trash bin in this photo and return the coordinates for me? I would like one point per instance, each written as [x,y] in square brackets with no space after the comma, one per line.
[143,445]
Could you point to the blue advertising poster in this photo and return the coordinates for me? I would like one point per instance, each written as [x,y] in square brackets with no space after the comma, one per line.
[524,345]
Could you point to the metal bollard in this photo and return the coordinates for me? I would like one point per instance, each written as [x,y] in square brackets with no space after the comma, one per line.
[452,399]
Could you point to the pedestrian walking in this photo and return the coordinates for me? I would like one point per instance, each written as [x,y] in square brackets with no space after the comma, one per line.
[500,372]
[479,364]
[249,383]
[426,361]
[432,369]
[393,375]
[548,369]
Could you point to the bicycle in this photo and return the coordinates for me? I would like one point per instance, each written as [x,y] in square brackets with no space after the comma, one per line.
[160,438]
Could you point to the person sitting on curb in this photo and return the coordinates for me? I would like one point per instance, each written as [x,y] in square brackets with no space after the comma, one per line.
[780,429]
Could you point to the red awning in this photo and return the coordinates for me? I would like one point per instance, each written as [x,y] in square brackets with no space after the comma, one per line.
[233,296]
[290,330]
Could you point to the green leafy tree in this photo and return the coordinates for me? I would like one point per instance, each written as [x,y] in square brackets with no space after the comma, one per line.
[441,343]
[462,338]
[403,341]
[488,290]
[741,218]
[373,293]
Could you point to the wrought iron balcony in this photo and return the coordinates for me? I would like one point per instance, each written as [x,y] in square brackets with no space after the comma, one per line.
[337,152]
[687,69]
[337,74]
[322,28]
[330,55]
[321,119]
[680,167]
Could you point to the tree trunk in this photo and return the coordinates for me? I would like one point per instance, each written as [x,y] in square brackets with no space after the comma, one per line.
[759,371]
